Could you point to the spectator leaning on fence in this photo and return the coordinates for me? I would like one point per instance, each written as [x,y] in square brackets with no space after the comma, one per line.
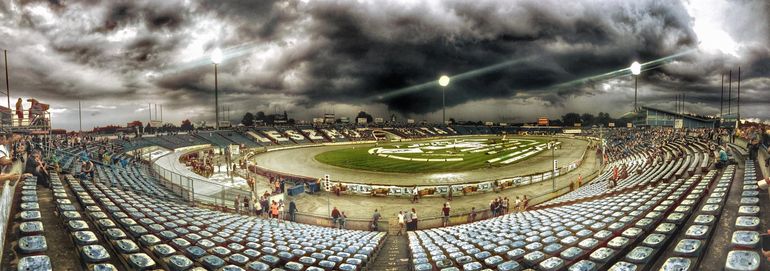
[375,219]
[335,216]
[445,213]
[292,211]
[342,219]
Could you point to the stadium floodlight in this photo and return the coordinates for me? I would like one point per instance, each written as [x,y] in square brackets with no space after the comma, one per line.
[216,56]
[636,69]
[443,81]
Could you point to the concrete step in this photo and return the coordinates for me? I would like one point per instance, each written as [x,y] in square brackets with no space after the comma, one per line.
[393,255]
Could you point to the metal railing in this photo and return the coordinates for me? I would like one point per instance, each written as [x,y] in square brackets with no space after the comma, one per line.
[222,197]
[198,191]
[514,181]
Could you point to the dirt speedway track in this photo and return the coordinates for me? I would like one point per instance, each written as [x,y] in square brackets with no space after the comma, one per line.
[301,161]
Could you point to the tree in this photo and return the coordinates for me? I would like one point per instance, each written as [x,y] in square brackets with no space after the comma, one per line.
[186,125]
[248,119]
[570,119]
[149,129]
[260,116]
[363,114]
[603,119]
[587,119]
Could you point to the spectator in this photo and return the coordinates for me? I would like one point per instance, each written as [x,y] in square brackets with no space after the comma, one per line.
[86,168]
[414,219]
[258,206]
[335,216]
[401,222]
[518,203]
[274,209]
[20,110]
[506,202]
[493,207]
[292,211]
[36,167]
[722,157]
[415,195]
[342,220]
[408,220]
[246,207]
[281,210]
[375,220]
[472,216]
[525,203]
[449,196]
[445,212]
[237,204]
[55,162]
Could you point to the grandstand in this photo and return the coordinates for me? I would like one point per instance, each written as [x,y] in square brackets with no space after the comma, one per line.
[675,210]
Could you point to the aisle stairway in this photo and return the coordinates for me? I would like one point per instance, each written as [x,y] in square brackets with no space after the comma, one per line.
[393,255]
[61,250]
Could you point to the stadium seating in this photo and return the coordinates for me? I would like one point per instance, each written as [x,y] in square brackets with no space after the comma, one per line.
[31,245]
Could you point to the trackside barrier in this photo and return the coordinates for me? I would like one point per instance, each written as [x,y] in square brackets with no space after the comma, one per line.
[221,197]
[482,186]
[6,207]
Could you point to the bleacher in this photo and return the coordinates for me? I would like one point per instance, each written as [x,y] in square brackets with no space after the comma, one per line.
[148,232]
[669,213]
[238,139]
[215,138]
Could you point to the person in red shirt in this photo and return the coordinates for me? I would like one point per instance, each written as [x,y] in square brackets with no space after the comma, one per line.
[445,212]
[20,110]
[335,216]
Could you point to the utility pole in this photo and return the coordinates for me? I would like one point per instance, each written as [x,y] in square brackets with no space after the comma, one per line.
[729,91]
[739,94]
[722,98]
[216,96]
[7,84]
[80,117]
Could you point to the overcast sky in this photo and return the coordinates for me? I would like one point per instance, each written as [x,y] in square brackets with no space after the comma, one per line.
[519,59]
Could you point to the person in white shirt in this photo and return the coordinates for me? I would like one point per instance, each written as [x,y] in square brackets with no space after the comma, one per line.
[400,222]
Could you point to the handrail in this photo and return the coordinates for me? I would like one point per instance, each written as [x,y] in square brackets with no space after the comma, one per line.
[6,205]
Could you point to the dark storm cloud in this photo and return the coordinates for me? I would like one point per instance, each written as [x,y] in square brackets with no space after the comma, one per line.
[406,47]
[310,54]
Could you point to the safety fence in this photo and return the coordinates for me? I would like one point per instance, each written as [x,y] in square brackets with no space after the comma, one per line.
[459,189]
[219,196]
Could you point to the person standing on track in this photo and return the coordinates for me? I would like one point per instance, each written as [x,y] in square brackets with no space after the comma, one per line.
[445,213]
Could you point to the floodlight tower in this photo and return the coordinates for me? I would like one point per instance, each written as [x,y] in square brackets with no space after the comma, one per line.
[216,58]
[636,69]
[443,81]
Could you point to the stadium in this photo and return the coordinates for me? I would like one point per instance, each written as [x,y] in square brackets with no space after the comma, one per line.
[385,135]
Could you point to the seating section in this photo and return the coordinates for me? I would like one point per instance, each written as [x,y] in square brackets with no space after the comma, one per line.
[662,214]
[746,238]
[555,238]
[80,224]
[31,246]
[686,230]
[149,232]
